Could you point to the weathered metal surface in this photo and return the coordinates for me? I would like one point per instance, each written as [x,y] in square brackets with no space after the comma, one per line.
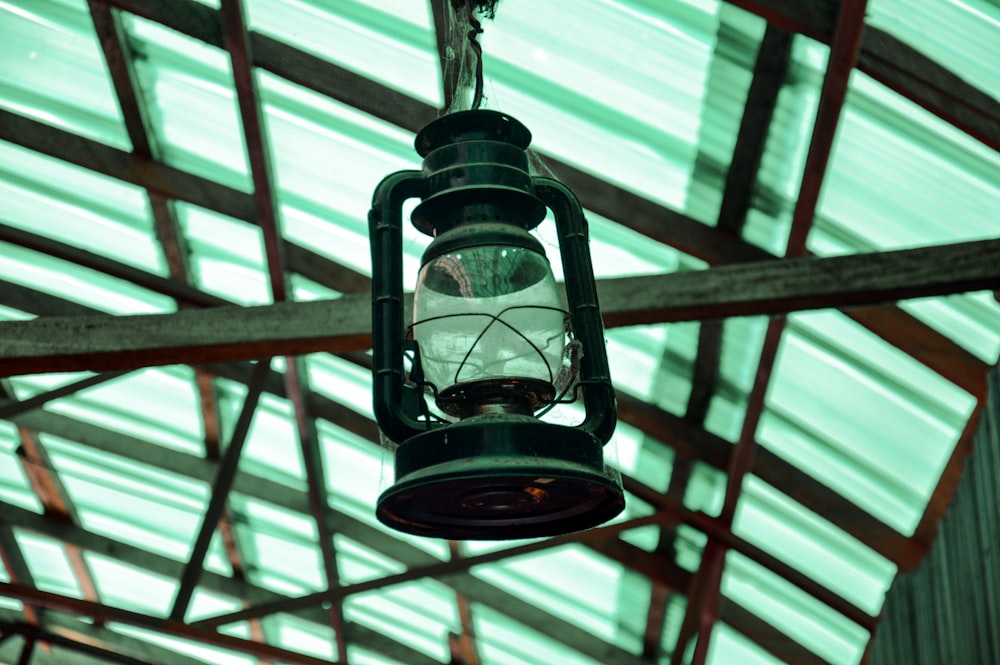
[948,611]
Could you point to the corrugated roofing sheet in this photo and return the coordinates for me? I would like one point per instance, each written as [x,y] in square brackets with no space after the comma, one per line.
[646,96]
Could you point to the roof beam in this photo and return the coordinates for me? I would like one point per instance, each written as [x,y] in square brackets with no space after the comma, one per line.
[225,474]
[241,333]
[236,39]
[167,627]
[645,216]
[703,608]
[896,65]
[689,441]
[659,568]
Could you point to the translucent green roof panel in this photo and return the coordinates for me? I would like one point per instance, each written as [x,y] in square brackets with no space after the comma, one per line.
[192,104]
[392,43]
[52,69]
[551,579]
[77,207]
[640,117]
[420,614]
[960,35]
[804,619]
[809,543]
[885,438]
[49,565]
[647,99]
[901,177]
[156,405]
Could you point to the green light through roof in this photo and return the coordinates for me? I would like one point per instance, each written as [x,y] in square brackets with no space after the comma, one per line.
[885,438]
[647,95]
[54,42]
[809,543]
[803,618]
[960,34]
[390,42]
[193,114]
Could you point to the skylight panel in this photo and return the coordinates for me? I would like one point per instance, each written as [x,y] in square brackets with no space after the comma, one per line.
[503,640]
[420,614]
[50,567]
[58,200]
[901,177]
[551,579]
[55,42]
[772,521]
[390,42]
[960,34]
[590,102]
[159,405]
[188,89]
[75,284]
[804,619]
[861,416]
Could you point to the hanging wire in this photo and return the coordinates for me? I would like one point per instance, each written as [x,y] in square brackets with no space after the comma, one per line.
[463,54]
[476,29]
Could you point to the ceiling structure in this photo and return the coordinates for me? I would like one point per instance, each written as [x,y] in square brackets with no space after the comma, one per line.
[793,211]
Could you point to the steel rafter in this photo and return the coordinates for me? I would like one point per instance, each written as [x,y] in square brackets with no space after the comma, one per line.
[692,443]
[178,629]
[344,325]
[703,608]
[770,69]
[891,63]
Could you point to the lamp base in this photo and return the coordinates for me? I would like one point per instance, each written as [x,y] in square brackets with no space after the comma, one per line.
[500,478]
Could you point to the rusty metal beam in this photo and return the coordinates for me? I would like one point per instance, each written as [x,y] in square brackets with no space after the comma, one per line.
[163,626]
[298,392]
[943,494]
[896,65]
[240,333]
[56,501]
[689,442]
[236,39]
[17,568]
[640,214]
[703,608]
[223,482]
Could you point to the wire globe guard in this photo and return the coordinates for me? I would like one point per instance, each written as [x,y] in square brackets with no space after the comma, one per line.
[500,478]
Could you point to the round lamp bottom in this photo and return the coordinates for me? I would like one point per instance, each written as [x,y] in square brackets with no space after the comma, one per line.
[500,478]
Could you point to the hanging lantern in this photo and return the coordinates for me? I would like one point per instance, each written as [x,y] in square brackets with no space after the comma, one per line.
[490,345]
